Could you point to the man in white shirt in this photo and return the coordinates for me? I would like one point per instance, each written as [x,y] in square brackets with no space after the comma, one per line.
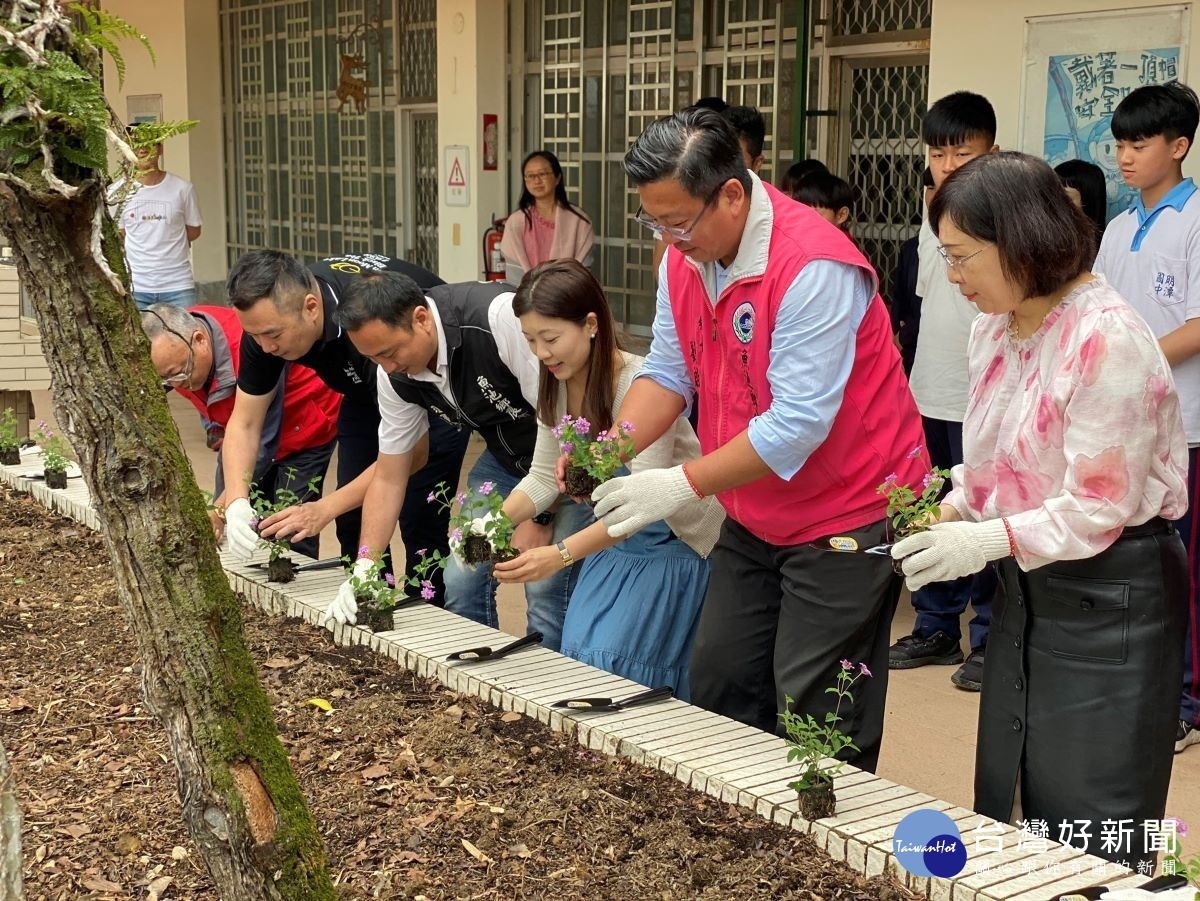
[159,218]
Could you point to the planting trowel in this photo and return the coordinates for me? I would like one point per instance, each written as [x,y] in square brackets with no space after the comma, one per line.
[608,704]
[328,563]
[477,654]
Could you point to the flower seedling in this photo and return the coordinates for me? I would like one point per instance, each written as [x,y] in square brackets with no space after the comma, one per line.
[908,511]
[376,593]
[1173,861]
[10,443]
[280,568]
[480,530]
[55,451]
[813,743]
[591,461]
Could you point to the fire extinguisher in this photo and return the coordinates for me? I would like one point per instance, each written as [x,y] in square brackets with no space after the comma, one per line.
[493,259]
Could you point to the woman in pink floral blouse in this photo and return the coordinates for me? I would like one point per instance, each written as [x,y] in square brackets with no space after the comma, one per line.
[1075,459]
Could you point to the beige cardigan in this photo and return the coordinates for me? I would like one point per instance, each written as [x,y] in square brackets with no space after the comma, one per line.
[573,239]
[698,524]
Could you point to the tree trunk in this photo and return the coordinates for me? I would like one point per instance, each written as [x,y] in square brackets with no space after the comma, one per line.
[240,799]
[10,836]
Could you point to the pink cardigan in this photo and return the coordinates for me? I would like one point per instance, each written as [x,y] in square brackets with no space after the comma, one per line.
[573,239]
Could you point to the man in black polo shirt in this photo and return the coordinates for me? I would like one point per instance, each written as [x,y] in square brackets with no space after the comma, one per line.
[286,311]
[456,351]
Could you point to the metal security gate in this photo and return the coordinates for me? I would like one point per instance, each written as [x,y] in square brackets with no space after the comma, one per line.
[309,125]
[417,172]
[596,73]
[424,192]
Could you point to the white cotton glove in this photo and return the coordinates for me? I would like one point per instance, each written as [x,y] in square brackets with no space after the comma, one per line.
[344,608]
[480,523]
[633,502]
[948,550]
[240,537]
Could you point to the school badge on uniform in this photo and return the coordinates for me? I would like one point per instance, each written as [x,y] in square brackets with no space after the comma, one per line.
[743,322]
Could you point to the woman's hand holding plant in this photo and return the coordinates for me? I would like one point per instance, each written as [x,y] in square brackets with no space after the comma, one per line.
[532,565]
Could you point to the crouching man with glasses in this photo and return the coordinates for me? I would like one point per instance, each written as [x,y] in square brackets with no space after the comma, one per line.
[196,353]
[770,317]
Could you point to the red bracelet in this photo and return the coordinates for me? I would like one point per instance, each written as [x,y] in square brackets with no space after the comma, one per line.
[691,484]
[1012,542]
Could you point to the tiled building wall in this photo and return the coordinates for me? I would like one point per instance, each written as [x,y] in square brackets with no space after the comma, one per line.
[22,366]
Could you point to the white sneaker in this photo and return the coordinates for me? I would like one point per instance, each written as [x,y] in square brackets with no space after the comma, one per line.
[1185,735]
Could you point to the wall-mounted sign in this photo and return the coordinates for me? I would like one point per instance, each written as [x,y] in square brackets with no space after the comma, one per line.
[458,164]
[491,142]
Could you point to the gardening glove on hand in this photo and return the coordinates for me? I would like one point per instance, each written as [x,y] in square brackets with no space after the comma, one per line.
[344,608]
[633,502]
[480,523]
[948,550]
[240,537]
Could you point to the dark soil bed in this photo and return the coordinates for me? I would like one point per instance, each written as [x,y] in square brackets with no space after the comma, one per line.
[418,791]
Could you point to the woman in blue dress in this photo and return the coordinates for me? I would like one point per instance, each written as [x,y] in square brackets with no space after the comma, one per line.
[637,601]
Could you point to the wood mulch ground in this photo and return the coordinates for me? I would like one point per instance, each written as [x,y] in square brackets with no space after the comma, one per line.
[419,792]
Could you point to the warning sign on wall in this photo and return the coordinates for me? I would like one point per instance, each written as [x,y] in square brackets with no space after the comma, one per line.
[458,164]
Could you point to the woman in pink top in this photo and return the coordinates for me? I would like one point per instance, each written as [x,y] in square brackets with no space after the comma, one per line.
[1074,467]
[546,226]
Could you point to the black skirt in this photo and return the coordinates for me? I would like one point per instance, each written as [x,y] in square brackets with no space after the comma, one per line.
[1081,690]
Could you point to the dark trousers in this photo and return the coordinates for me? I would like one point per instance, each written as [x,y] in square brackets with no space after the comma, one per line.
[776,623]
[422,525]
[1082,688]
[1189,529]
[940,605]
[303,474]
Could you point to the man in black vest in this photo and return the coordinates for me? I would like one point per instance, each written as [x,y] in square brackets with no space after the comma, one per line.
[456,351]
[286,312]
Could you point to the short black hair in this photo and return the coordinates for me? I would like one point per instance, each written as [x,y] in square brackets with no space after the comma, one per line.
[698,148]
[1088,179]
[797,171]
[958,118]
[1171,110]
[824,189]
[1017,202]
[748,122]
[383,295]
[269,273]
[716,104]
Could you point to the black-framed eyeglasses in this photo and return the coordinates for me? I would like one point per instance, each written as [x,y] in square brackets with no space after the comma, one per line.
[674,232]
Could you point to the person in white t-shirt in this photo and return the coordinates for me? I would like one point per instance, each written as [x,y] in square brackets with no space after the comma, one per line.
[159,218]
[957,129]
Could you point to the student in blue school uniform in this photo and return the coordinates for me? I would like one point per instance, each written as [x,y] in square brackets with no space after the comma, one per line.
[1151,255]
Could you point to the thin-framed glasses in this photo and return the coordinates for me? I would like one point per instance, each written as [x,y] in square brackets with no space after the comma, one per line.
[673,232]
[184,375]
[539,176]
[953,262]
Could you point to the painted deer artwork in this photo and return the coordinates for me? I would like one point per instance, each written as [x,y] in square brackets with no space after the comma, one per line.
[350,86]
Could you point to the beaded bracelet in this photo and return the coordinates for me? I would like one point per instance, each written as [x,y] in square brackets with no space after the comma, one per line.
[1012,542]
[691,484]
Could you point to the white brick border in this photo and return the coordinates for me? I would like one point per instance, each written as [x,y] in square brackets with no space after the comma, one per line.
[722,758]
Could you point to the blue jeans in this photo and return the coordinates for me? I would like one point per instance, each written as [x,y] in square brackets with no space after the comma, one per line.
[183,298]
[471,591]
[939,605]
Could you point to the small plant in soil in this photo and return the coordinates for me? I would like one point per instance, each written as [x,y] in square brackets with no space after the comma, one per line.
[54,456]
[591,461]
[480,530]
[280,568]
[375,591]
[813,743]
[10,443]
[908,511]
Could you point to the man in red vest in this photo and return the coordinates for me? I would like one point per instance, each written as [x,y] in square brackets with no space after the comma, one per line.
[771,317]
[196,352]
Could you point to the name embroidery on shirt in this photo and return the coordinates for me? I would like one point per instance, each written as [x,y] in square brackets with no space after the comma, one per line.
[498,400]
[352,374]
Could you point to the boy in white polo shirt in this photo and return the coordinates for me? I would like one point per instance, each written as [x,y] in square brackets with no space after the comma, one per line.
[1151,255]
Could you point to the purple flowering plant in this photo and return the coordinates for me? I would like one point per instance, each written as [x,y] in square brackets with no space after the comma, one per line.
[476,511]
[1173,862]
[376,589]
[268,504]
[914,509]
[55,450]
[812,742]
[600,455]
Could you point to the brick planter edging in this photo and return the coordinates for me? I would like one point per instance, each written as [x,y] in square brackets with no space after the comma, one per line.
[722,758]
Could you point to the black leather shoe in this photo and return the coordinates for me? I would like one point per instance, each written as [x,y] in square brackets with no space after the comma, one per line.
[913,651]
